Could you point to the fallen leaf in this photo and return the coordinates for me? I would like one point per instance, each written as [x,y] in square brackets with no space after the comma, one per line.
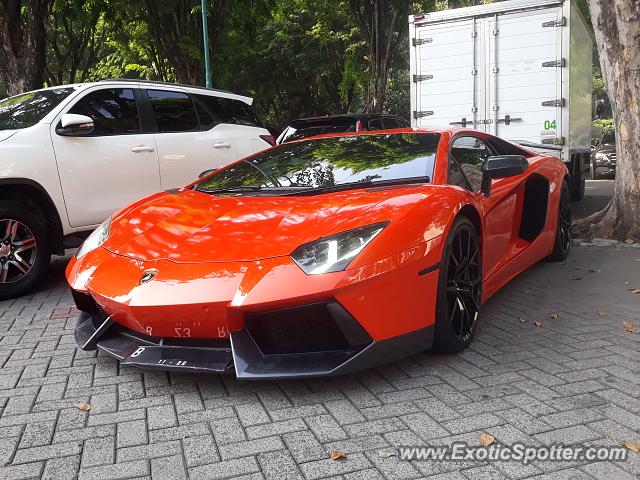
[515,375]
[628,327]
[553,316]
[522,320]
[387,453]
[85,407]
[629,241]
[634,290]
[576,278]
[634,447]
[601,313]
[486,439]
[537,323]
[337,455]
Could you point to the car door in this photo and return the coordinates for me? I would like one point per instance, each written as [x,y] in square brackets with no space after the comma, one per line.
[188,142]
[467,155]
[111,167]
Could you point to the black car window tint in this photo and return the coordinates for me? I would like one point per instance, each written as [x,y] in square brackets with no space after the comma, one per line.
[173,111]
[113,110]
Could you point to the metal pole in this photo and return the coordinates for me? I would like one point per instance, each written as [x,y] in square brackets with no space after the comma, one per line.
[205,36]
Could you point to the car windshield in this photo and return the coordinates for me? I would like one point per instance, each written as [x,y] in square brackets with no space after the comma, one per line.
[609,138]
[29,108]
[348,161]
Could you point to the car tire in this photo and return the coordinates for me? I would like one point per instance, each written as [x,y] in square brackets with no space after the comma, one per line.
[459,288]
[25,250]
[562,243]
[578,185]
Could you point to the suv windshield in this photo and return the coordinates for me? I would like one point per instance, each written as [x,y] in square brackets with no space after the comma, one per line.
[331,162]
[609,138]
[29,108]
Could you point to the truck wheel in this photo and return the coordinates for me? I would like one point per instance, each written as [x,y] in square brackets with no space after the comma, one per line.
[25,250]
[577,186]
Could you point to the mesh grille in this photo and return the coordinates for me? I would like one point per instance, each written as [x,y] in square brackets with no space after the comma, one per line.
[297,330]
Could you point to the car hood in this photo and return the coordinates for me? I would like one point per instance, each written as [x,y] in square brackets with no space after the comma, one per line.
[194,227]
[606,149]
[4,134]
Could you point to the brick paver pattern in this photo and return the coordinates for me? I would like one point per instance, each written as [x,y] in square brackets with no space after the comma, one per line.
[572,380]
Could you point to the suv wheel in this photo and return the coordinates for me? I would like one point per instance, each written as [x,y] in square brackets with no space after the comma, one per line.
[25,250]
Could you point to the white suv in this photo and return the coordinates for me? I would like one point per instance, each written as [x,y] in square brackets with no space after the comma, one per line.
[71,156]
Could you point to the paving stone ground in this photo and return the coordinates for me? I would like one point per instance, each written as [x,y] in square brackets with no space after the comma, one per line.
[572,380]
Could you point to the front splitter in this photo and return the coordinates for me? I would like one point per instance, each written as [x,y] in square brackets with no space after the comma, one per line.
[242,355]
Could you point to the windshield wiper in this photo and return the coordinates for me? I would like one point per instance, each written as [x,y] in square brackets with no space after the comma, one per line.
[253,188]
[363,184]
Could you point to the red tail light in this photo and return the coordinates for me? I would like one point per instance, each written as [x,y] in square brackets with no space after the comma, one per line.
[270,139]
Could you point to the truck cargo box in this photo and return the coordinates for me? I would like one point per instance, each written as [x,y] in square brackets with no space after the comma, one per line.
[518,69]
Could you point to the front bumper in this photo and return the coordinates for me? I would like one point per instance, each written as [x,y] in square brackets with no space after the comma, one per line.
[252,353]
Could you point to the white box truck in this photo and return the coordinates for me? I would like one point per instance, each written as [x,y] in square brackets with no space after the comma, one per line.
[518,69]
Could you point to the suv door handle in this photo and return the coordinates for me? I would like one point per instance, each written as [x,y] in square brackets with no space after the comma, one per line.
[222,145]
[142,148]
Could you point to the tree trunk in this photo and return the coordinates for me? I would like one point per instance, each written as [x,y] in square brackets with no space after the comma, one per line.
[22,44]
[617,31]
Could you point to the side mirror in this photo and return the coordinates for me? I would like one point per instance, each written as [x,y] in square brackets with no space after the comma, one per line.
[73,125]
[207,172]
[501,166]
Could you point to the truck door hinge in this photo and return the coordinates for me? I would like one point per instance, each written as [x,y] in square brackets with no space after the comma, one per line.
[421,41]
[462,123]
[555,63]
[474,71]
[553,141]
[560,102]
[474,109]
[508,119]
[422,113]
[474,34]
[556,23]
[495,108]
[419,78]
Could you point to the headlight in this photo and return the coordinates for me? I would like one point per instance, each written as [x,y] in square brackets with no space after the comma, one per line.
[602,157]
[97,238]
[335,253]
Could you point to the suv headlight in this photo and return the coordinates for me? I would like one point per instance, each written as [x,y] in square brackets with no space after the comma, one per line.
[336,252]
[602,157]
[95,239]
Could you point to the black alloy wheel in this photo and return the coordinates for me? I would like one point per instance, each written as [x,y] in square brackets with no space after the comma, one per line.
[562,243]
[460,288]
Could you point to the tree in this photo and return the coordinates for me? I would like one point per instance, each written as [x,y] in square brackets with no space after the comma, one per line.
[22,49]
[617,32]
[76,37]
[176,30]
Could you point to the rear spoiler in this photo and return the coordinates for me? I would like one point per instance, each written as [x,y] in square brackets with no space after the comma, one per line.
[539,146]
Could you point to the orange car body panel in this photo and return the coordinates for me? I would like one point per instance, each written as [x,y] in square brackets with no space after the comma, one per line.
[218,258]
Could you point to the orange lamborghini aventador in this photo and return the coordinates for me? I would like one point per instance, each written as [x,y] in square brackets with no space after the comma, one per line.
[321,256]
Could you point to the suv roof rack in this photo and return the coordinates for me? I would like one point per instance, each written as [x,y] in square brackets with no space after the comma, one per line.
[157,82]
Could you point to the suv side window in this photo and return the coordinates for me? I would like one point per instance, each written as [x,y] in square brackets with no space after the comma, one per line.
[174,111]
[468,154]
[227,110]
[113,110]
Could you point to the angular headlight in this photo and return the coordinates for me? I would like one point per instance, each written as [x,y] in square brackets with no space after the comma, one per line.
[97,238]
[335,253]
[602,157]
